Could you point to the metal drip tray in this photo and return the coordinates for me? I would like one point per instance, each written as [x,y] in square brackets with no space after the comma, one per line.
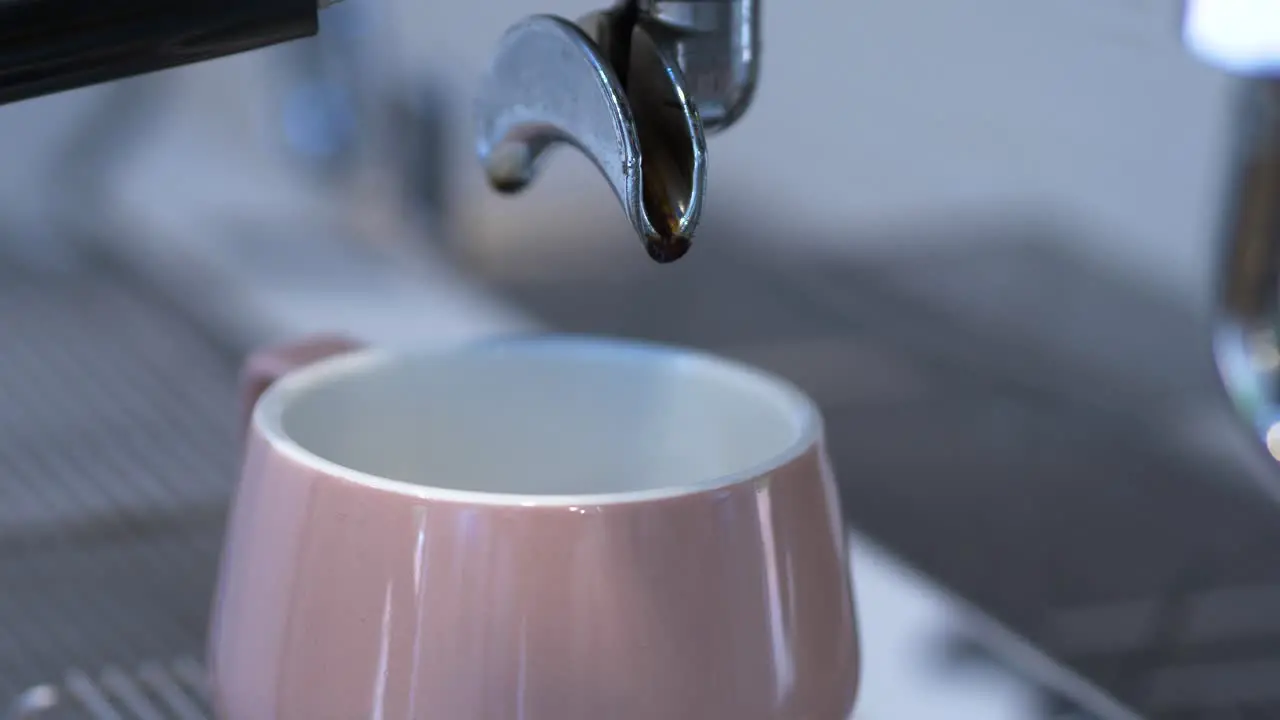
[117,459]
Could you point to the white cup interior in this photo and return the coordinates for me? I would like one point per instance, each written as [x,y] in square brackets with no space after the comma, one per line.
[540,417]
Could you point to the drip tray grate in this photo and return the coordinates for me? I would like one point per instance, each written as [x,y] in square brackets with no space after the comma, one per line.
[117,459]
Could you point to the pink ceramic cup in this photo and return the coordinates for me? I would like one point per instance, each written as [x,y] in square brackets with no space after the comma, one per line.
[532,529]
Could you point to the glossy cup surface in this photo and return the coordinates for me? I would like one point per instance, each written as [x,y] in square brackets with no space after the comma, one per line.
[544,529]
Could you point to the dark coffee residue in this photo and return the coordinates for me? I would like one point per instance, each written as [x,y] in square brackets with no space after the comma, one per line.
[667,249]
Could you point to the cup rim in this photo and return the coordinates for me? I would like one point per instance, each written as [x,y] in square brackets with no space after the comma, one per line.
[268,412]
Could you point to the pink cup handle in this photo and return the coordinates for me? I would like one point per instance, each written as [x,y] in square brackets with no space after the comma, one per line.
[264,367]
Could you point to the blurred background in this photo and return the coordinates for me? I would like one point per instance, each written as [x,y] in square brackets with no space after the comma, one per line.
[984,235]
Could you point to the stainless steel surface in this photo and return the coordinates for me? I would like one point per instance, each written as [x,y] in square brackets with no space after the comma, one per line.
[621,102]
[1242,37]
[117,447]
[33,703]
[716,44]
[1245,337]
[636,88]
[154,690]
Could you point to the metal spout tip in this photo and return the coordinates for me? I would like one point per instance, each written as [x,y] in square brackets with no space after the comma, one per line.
[509,167]
[665,250]
[553,83]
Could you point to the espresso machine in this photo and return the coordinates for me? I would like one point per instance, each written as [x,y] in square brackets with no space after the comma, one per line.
[640,89]
[636,87]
